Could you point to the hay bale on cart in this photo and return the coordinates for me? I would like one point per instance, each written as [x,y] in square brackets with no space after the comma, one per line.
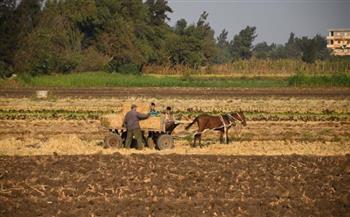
[153,129]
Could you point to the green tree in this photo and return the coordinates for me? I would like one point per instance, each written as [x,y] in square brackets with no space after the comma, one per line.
[313,48]
[121,35]
[184,47]
[292,49]
[193,45]
[81,34]
[16,23]
[222,39]
[278,51]
[223,49]
[308,48]
[7,36]
[262,50]
[158,10]
[205,34]
[54,43]
[180,27]
[137,35]
[6,6]
[242,44]
[322,52]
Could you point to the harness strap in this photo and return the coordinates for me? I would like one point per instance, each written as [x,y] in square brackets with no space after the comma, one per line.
[239,116]
[223,121]
[224,125]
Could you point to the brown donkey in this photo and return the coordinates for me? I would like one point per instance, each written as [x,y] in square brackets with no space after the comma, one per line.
[220,123]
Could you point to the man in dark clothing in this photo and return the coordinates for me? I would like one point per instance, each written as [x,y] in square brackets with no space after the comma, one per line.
[131,122]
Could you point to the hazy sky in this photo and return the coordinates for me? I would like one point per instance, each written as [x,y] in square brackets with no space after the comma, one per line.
[274,19]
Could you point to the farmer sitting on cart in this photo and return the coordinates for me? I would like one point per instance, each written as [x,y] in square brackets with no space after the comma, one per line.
[131,122]
[170,123]
[152,110]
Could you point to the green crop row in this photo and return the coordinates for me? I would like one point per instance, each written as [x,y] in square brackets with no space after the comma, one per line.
[96,115]
[105,79]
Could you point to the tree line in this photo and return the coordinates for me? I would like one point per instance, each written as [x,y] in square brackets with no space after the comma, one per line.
[57,36]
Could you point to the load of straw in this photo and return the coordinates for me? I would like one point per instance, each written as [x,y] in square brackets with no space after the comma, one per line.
[116,120]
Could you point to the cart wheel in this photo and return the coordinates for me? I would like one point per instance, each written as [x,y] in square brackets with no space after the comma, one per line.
[114,141]
[165,141]
[150,143]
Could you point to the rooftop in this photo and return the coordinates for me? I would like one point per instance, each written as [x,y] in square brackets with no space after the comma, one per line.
[340,30]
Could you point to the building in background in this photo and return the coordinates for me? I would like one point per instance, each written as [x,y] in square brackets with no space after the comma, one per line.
[339,41]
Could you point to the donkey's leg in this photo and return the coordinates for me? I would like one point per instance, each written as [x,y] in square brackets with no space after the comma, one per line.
[196,136]
[194,140]
[200,140]
[222,136]
[226,135]
[228,138]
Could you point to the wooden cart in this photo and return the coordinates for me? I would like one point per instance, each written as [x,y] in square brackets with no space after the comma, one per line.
[153,131]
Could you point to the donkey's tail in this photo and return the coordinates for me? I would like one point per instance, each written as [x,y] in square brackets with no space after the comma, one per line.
[190,125]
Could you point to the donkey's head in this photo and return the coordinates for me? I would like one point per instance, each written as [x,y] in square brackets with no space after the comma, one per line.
[239,116]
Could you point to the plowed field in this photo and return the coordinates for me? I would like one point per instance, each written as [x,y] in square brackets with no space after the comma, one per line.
[174,185]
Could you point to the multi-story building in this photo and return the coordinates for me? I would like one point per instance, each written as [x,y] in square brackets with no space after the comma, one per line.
[339,41]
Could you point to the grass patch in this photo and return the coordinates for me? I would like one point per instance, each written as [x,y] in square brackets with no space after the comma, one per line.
[335,80]
[105,79]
